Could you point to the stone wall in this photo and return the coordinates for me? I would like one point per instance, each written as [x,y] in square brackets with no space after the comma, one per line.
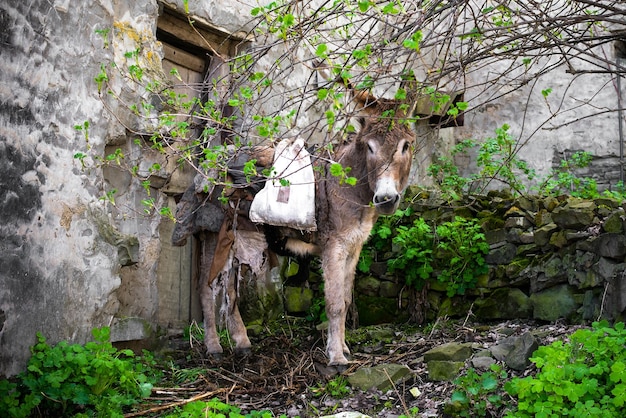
[549,259]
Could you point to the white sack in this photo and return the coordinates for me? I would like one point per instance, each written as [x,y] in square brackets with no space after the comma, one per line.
[292,205]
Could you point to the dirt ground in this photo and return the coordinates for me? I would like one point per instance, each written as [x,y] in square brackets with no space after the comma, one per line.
[286,371]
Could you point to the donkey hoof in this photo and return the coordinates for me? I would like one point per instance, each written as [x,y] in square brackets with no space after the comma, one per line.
[330,371]
[341,368]
[214,356]
[243,351]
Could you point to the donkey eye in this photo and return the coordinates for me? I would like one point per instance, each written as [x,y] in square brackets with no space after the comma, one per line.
[370,148]
[405,147]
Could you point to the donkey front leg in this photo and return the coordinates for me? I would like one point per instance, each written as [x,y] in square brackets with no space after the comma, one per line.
[338,263]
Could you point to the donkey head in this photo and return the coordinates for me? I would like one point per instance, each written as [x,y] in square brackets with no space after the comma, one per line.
[385,139]
[387,142]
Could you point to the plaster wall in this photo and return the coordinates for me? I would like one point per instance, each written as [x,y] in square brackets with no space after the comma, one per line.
[578,114]
[71,260]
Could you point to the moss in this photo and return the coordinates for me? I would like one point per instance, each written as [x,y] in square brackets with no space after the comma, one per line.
[376,310]
[516,266]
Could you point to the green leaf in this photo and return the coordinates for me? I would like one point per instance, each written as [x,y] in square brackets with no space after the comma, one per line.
[321,51]
[364,5]
[336,169]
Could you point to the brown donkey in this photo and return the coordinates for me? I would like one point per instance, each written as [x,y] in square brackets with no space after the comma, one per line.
[379,156]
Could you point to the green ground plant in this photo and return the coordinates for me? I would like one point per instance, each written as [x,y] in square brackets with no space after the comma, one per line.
[336,387]
[94,379]
[215,408]
[414,250]
[414,258]
[464,248]
[478,394]
[585,377]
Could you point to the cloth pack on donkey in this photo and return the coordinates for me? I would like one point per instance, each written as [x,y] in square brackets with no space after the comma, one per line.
[288,198]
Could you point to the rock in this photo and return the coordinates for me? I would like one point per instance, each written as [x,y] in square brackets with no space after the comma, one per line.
[543,234]
[553,303]
[378,268]
[608,202]
[574,215]
[130,329]
[528,205]
[610,245]
[298,299]
[483,362]
[504,303]
[292,268]
[444,370]
[591,306]
[580,272]
[550,203]
[608,269]
[542,218]
[523,348]
[554,267]
[501,255]
[614,223]
[367,286]
[449,352]
[501,350]
[517,222]
[558,239]
[389,289]
[517,265]
[378,310]
[380,376]
[545,272]
[454,307]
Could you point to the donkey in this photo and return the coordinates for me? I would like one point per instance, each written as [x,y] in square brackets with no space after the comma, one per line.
[380,157]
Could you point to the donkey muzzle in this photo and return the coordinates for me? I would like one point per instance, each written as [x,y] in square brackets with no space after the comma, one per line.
[386,203]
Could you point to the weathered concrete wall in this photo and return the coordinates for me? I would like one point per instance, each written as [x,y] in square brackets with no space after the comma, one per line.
[57,275]
[72,261]
[579,114]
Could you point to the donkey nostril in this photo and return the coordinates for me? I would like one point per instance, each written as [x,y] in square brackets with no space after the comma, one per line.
[382,199]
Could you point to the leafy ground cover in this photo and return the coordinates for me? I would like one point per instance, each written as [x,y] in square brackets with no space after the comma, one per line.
[286,373]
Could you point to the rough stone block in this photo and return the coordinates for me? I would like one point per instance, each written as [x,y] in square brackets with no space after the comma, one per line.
[130,329]
[553,303]
[442,371]
[449,352]
[298,299]
[382,376]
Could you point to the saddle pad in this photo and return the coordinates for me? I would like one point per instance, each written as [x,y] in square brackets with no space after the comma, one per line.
[288,198]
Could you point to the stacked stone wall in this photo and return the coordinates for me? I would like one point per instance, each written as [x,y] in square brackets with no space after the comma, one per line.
[550,258]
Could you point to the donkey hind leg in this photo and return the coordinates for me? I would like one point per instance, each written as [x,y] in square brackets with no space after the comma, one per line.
[236,326]
[208,298]
[338,263]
